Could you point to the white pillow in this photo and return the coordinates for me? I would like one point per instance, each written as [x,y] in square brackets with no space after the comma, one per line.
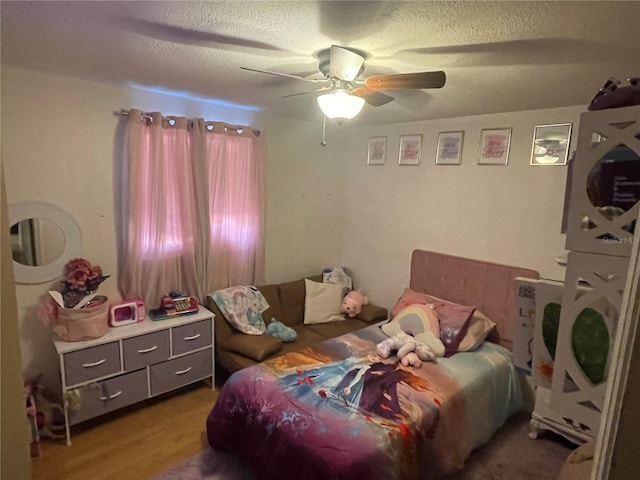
[322,302]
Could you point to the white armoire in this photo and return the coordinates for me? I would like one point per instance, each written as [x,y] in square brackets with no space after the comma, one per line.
[575,320]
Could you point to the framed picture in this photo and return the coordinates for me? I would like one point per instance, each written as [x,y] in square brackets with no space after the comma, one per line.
[410,149]
[551,144]
[494,146]
[377,151]
[449,150]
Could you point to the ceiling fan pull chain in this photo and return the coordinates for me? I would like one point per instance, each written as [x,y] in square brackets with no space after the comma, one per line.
[323,143]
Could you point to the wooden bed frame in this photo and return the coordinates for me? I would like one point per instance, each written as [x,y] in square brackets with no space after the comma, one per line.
[490,287]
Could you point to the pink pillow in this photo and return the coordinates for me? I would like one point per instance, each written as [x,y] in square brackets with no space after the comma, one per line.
[409,297]
[454,318]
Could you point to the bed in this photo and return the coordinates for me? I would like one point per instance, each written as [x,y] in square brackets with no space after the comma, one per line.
[338,411]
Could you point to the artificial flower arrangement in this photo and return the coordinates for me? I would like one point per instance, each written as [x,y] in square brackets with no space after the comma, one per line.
[81,279]
[77,290]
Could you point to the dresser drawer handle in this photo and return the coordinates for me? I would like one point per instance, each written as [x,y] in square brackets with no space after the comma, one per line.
[182,372]
[111,397]
[94,364]
[192,337]
[147,350]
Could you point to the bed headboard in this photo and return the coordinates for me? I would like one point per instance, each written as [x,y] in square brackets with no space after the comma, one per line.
[487,286]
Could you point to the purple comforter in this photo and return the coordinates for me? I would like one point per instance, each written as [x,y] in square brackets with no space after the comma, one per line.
[337,411]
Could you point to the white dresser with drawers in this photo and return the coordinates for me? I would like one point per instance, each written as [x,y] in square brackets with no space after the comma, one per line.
[134,362]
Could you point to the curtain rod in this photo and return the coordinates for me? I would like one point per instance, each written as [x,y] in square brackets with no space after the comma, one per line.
[236,128]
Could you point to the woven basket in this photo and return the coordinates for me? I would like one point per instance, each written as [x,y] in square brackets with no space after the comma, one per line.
[85,323]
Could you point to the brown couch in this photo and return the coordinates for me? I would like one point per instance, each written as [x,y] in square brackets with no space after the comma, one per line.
[236,350]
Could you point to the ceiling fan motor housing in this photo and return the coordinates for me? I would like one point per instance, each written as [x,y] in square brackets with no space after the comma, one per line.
[341,63]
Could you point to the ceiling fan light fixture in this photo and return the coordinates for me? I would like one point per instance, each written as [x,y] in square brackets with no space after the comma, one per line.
[340,106]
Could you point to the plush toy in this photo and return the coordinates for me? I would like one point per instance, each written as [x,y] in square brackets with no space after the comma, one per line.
[281,331]
[352,303]
[410,351]
[32,419]
[48,415]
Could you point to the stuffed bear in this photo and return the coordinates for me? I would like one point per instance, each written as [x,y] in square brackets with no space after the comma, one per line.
[352,303]
[410,351]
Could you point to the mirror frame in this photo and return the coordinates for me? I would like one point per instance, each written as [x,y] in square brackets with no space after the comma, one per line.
[27,209]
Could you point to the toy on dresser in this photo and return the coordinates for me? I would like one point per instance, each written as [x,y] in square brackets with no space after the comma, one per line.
[175,304]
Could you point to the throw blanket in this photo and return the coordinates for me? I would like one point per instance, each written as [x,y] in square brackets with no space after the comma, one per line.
[337,411]
[338,276]
[242,307]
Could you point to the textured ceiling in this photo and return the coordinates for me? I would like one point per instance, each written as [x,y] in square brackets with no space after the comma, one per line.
[498,56]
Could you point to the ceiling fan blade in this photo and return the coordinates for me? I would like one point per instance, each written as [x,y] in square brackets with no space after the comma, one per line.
[279,74]
[177,34]
[402,81]
[344,64]
[321,89]
[373,98]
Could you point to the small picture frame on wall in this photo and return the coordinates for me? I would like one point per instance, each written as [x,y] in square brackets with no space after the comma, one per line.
[449,150]
[551,144]
[410,149]
[377,154]
[494,146]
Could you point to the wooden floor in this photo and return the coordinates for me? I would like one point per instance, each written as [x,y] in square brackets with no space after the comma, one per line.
[135,443]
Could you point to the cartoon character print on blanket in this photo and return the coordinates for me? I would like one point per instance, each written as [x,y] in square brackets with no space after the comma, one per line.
[242,307]
[347,414]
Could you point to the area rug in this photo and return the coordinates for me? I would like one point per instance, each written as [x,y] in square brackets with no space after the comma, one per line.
[511,455]
[209,465]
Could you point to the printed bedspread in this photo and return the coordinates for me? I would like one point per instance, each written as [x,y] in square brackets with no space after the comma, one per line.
[337,411]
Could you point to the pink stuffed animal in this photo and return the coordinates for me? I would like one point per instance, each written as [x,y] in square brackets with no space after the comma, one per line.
[352,303]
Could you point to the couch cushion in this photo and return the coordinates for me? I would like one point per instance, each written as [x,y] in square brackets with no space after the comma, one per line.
[231,361]
[292,302]
[257,347]
[373,313]
[272,296]
[222,328]
[306,338]
[322,302]
[335,329]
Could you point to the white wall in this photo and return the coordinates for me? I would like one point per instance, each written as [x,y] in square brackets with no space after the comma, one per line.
[304,198]
[506,214]
[60,137]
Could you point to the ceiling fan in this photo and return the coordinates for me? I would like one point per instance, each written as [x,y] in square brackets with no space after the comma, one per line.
[347,93]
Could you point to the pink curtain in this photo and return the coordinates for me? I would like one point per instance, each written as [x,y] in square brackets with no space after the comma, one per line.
[193,216]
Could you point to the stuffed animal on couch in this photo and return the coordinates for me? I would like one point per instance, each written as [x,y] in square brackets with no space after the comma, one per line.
[410,351]
[352,303]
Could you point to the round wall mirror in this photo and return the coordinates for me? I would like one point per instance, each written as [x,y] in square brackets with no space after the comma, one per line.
[36,242]
[43,239]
